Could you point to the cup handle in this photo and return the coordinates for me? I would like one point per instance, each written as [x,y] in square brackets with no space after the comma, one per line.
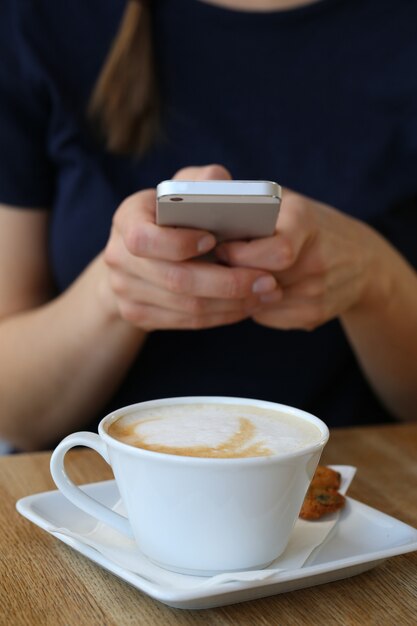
[73,493]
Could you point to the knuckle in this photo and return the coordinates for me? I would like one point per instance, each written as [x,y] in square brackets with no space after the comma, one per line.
[177,278]
[118,283]
[184,249]
[233,286]
[129,311]
[135,314]
[110,255]
[194,306]
[138,241]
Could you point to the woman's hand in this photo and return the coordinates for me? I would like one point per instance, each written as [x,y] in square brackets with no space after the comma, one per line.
[324,261]
[156,275]
[330,265]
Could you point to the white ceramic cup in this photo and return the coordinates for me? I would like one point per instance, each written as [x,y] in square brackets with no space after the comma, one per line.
[199,515]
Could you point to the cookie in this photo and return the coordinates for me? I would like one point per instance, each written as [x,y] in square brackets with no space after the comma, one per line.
[320,501]
[326,478]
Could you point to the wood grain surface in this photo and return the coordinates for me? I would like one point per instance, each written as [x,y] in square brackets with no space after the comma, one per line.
[43,582]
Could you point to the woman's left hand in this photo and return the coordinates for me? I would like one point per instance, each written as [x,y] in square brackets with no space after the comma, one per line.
[324,261]
[330,265]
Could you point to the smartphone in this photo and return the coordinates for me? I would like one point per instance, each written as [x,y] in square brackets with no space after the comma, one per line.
[230,209]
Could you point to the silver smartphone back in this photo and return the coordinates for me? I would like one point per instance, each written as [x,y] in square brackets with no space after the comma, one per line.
[230,209]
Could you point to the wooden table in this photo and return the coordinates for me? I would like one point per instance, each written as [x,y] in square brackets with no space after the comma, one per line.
[43,582]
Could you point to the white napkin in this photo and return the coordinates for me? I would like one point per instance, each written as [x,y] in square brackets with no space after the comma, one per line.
[122,551]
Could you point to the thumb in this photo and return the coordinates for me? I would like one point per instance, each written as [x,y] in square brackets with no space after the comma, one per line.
[205,172]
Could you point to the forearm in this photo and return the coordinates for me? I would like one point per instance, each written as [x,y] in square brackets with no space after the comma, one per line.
[382,330]
[60,363]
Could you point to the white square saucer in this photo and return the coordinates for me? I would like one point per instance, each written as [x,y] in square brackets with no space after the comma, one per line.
[362,538]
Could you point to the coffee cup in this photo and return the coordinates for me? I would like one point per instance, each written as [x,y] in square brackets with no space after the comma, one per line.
[210,484]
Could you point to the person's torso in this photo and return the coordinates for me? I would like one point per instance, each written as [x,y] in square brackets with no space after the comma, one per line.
[319,99]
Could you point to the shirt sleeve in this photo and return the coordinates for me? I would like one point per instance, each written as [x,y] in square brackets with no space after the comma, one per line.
[26,174]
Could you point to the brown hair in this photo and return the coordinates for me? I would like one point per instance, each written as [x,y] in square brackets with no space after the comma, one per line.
[124,100]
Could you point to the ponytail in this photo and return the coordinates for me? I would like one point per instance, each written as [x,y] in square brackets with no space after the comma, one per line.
[124,99]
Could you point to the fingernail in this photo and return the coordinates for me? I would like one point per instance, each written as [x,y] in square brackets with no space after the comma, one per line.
[206,243]
[264,284]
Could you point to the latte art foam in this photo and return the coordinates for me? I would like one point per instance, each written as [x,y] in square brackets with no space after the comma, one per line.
[214,431]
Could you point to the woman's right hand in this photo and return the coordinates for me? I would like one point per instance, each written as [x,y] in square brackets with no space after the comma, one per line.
[156,275]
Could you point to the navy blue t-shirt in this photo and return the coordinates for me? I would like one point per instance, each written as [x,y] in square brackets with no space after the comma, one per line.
[322,99]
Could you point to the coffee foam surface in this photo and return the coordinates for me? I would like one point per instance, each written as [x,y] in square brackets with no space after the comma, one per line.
[211,430]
